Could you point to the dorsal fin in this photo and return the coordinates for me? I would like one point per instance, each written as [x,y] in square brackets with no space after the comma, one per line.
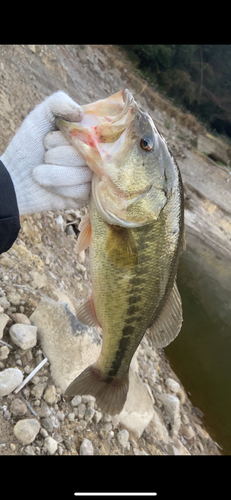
[167,326]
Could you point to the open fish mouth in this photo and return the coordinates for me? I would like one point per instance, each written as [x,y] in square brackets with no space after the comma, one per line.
[121,146]
[102,132]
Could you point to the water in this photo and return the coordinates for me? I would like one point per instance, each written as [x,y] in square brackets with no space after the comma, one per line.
[201,354]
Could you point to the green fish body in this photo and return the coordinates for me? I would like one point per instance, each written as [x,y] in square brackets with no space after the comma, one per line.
[133,270]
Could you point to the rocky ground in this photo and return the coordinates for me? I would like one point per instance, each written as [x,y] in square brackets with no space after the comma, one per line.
[42,264]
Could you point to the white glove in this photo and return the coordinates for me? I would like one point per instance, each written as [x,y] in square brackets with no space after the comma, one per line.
[52,180]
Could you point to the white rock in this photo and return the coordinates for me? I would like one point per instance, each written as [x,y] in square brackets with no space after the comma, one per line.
[86,447]
[178,448]
[172,385]
[26,430]
[21,318]
[39,280]
[97,416]
[157,428]
[88,399]
[81,410]
[89,414]
[76,401]
[60,222]
[18,407]
[30,450]
[71,417]
[24,336]
[138,409]
[4,302]
[4,318]
[38,390]
[50,394]
[69,345]
[4,352]
[10,378]
[50,445]
[172,410]
[123,437]
[14,298]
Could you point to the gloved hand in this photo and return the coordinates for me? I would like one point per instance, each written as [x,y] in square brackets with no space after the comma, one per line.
[47,180]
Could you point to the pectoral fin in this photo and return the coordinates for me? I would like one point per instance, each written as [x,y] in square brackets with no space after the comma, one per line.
[121,248]
[85,234]
[167,326]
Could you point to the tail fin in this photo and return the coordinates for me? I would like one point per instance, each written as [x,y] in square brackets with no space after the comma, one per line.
[110,393]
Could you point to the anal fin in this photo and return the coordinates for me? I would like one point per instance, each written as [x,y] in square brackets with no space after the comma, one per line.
[168,324]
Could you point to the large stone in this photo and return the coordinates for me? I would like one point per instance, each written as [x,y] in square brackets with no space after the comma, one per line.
[62,297]
[138,410]
[24,336]
[26,430]
[69,345]
[10,378]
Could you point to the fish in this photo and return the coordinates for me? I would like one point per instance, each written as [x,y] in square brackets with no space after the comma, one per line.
[135,234]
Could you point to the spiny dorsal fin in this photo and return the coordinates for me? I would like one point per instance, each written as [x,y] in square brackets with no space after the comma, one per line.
[167,326]
[86,313]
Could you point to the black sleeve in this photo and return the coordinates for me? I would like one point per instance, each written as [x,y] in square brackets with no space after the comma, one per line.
[9,214]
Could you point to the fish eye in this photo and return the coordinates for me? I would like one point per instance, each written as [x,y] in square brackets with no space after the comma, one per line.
[147,143]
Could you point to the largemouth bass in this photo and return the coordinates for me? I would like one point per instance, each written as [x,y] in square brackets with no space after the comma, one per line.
[135,235]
